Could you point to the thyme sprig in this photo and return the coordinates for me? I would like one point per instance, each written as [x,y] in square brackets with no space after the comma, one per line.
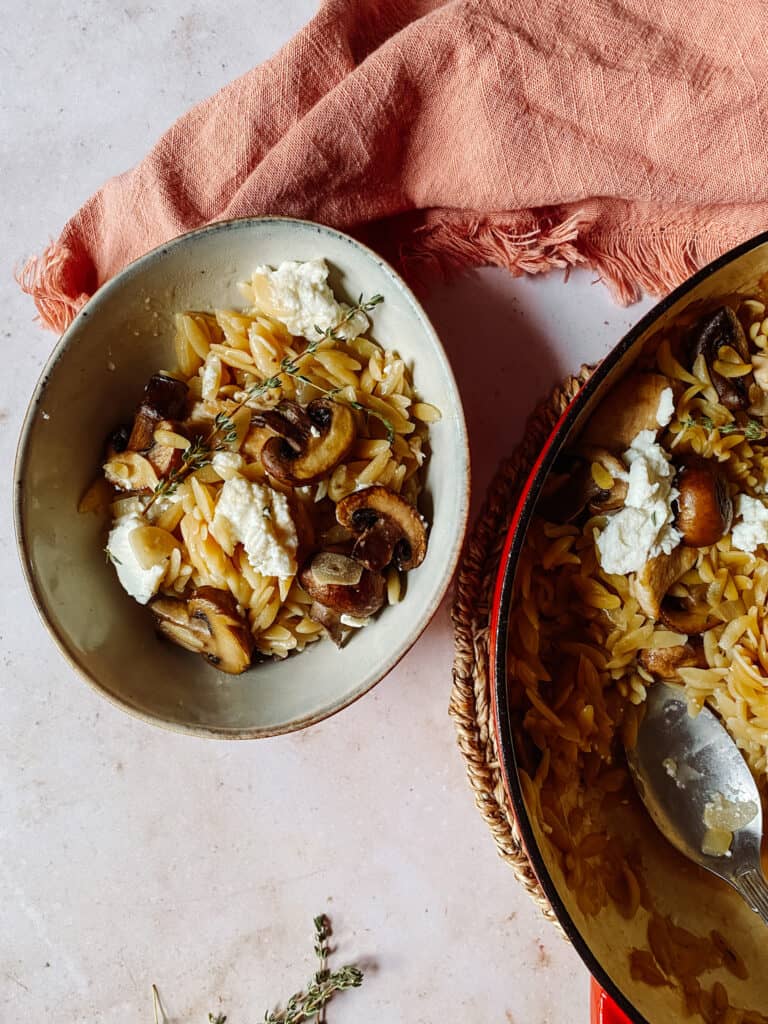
[310,1002]
[223,430]
[752,430]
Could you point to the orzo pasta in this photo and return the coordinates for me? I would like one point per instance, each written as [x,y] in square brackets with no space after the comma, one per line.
[646,559]
[265,494]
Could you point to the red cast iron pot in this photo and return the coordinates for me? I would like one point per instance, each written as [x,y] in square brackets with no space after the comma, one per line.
[695,900]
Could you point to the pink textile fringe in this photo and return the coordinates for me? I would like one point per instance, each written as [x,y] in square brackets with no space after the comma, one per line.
[47,278]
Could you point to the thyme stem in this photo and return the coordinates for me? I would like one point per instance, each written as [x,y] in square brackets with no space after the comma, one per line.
[200,451]
[752,430]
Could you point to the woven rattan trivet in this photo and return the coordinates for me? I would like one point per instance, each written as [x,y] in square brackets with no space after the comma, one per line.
[470,705]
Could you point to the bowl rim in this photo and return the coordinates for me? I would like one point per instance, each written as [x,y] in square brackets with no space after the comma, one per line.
[517,528]
[22,451]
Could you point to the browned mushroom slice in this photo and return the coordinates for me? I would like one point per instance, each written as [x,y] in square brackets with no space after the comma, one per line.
[164,457]
[657,576]
[665,661]
[329,620]
[208,623]
[704,506]
[288,419]
[609,475]
[567,494]
[359,599]
[172,620]
[388,529]
[164,398]
[230,647]
[300,456]
[708,336]
[335,568]
[631,406]
[687,617]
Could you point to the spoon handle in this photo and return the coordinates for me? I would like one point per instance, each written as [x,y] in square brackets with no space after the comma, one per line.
[754,888]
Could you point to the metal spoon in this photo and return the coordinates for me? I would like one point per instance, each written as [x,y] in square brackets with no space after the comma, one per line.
[683,767]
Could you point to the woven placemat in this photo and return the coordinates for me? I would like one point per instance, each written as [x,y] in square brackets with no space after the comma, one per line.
[470,705]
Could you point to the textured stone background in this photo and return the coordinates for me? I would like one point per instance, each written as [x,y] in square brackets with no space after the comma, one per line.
[129,855]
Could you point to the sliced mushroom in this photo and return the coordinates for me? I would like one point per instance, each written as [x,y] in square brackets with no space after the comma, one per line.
[631,406]
[683,615]
[209,624]
[704,505]
[708,336]
[118,441]
[311,441]
[387,529]
[665,661]
[329,620]
[567,494]
[337,569]
[362,599]
[657,576]
[602,466]
[164,398]
[164,457]
[173,621]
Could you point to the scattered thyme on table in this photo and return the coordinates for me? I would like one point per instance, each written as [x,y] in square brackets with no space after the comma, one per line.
[223,432]
[309,1003]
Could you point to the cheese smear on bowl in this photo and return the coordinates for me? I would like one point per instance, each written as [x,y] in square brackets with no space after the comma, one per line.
[259,518]
[298,295]
[643,528]
[140,583]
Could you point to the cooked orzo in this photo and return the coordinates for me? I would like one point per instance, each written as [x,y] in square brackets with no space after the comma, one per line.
[647,559]
[266,492]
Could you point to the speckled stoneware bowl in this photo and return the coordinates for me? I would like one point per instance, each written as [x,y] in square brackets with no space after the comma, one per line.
[92,383]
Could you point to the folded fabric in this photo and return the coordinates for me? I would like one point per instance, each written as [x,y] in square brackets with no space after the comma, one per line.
[624,135]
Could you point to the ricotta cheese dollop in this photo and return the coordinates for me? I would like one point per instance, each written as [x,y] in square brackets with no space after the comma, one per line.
[140,583]
[751,530]
[259,518]
[644,527]
[666,409]
[299,296]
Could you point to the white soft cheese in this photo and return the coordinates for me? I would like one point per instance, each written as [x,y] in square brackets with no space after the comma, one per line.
[643,528]
[299,296]
[259,518]
[751,530]
[227,464]
[141,584]
[666,409]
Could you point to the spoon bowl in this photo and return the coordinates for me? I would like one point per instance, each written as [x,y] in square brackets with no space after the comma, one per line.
[698,789]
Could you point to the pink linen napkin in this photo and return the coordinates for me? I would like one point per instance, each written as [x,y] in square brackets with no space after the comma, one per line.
[624,135]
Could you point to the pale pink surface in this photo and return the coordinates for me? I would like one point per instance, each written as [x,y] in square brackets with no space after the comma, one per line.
[626,136]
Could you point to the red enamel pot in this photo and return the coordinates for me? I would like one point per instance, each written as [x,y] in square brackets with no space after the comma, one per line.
[697,903]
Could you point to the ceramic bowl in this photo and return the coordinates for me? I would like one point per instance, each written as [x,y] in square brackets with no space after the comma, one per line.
[92,383]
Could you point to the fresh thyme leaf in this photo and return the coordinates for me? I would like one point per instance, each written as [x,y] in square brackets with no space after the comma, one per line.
[310,1002]
[200,452]
[388,425]
[220,1018]
[752,430]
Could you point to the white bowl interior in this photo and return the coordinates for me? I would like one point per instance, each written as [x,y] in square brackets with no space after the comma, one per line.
[92,384]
